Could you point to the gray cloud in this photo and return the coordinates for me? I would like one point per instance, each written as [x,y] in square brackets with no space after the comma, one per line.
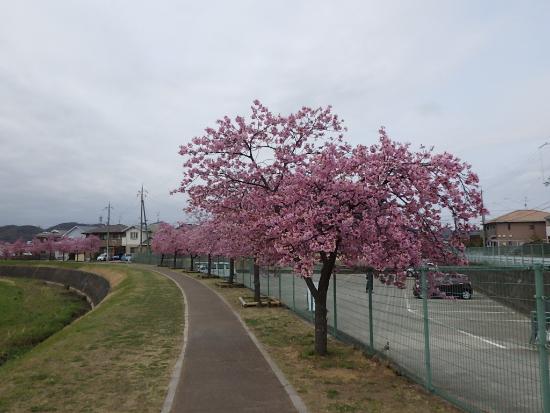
[96,97]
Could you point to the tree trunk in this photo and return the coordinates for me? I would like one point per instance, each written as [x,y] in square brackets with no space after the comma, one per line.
[320,296]
[175,255]
[209,265]
[257,292]
[231,270]
[161,260]
[191,266]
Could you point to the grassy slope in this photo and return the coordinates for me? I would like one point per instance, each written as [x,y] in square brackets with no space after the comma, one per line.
[31,311]
[117,358]
[344,381]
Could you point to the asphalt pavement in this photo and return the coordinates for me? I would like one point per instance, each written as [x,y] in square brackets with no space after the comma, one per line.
[223,369]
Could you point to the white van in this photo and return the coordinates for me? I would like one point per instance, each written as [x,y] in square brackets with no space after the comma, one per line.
[221,269]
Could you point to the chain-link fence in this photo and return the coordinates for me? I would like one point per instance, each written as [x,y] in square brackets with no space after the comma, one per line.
[469,334]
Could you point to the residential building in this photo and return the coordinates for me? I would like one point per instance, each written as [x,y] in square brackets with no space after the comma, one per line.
[131,241]
[123,239]
[518,227]
[77,231]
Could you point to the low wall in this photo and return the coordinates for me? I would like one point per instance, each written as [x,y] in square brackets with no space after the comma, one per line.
[94,287]
[514,288]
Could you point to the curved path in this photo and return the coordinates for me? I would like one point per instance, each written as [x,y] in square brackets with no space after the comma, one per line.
[223,369]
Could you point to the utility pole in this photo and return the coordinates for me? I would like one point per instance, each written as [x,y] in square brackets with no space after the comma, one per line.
[108,208]
[142,219]
[544,180]
[483,220]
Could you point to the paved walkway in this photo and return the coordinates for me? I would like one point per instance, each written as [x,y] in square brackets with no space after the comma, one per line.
[223,370]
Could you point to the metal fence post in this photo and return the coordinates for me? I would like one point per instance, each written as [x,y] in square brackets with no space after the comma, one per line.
[334,303]
[427,356]
[370,282]
[293,292]
[541,329]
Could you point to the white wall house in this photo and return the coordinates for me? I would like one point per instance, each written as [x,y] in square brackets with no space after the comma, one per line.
[131,239]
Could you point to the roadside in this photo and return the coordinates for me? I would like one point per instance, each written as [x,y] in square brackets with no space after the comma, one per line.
[344,381]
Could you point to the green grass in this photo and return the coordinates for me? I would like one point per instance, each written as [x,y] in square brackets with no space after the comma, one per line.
[31,311]
[116,358]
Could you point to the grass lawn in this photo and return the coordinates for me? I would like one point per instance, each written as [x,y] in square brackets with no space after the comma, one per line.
[345,381]
[31,311]
[116,358]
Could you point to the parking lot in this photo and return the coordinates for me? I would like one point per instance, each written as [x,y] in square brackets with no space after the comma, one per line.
[479,349]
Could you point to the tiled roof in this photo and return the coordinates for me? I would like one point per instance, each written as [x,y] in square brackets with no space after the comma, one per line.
[522,215]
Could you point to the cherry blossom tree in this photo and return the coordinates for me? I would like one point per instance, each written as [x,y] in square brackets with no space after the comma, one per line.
[49,244]
[64,246]
[187,234]
[6,250]
[161,242]
[91,245]
[206,240]
[313,198]
[19,247]
[76,247]
[37,247]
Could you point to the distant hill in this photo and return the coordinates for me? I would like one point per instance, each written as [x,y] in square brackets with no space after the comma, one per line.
[11,233]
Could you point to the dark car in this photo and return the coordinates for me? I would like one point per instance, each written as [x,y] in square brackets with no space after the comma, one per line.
[446,284]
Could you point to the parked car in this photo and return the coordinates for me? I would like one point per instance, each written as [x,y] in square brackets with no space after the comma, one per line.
[115,257]
[102,257]
[218,268]
[415,272]
[446,284]
[126,257]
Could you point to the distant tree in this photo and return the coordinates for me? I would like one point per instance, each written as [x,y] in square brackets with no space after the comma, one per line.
[37,247]
[50,244]
[91,245]
[19,247]
[162,241]
[64,246]
[6,250]
[187,244]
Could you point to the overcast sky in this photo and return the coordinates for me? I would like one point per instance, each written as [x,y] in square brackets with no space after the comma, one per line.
[96,96]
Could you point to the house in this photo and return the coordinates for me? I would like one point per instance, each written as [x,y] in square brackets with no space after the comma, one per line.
[77,231]
[133,242]
[518,227]
[122,239]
